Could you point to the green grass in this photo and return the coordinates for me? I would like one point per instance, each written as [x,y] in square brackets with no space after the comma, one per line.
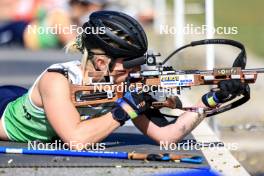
[247,15]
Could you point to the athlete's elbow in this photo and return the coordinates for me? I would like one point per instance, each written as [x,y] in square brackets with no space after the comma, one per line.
[169,138]
[77,142]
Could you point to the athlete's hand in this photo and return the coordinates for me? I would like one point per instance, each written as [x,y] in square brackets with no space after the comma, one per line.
[131,106]
[139,101]
[228,90]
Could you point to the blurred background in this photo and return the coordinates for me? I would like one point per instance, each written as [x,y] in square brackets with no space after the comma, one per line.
[25,51]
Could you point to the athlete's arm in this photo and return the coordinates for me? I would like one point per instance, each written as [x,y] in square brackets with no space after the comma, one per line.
[63,116]
[170,133]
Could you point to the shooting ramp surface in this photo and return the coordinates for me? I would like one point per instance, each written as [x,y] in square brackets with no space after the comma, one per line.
[124,139]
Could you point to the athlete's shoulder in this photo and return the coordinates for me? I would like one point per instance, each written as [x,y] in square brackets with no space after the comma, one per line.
[53,82]
[66,65]
[73,70]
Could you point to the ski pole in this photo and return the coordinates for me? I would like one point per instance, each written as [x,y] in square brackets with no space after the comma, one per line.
[105,154]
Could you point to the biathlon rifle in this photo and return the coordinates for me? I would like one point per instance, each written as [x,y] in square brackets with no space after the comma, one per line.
[166,78]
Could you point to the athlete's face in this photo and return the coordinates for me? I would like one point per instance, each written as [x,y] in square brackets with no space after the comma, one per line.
[102,63]
[118,65]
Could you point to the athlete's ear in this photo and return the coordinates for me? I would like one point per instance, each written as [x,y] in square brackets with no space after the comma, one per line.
[102,63]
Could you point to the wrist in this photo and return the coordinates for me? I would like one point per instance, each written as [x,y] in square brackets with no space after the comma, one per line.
[119,115]
[114,123]
[132,113]
[123,112]
[210,100]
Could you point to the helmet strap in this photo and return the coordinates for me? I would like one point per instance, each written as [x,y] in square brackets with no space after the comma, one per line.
[111,65]
[89,57]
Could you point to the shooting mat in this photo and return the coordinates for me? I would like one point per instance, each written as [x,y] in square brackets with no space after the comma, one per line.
[127,138]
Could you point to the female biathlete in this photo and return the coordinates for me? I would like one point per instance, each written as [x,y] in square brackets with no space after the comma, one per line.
[46,111]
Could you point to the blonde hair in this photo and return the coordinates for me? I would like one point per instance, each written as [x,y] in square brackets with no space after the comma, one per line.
[87,63]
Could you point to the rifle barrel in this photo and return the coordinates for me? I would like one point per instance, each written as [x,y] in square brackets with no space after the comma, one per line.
[258,70]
